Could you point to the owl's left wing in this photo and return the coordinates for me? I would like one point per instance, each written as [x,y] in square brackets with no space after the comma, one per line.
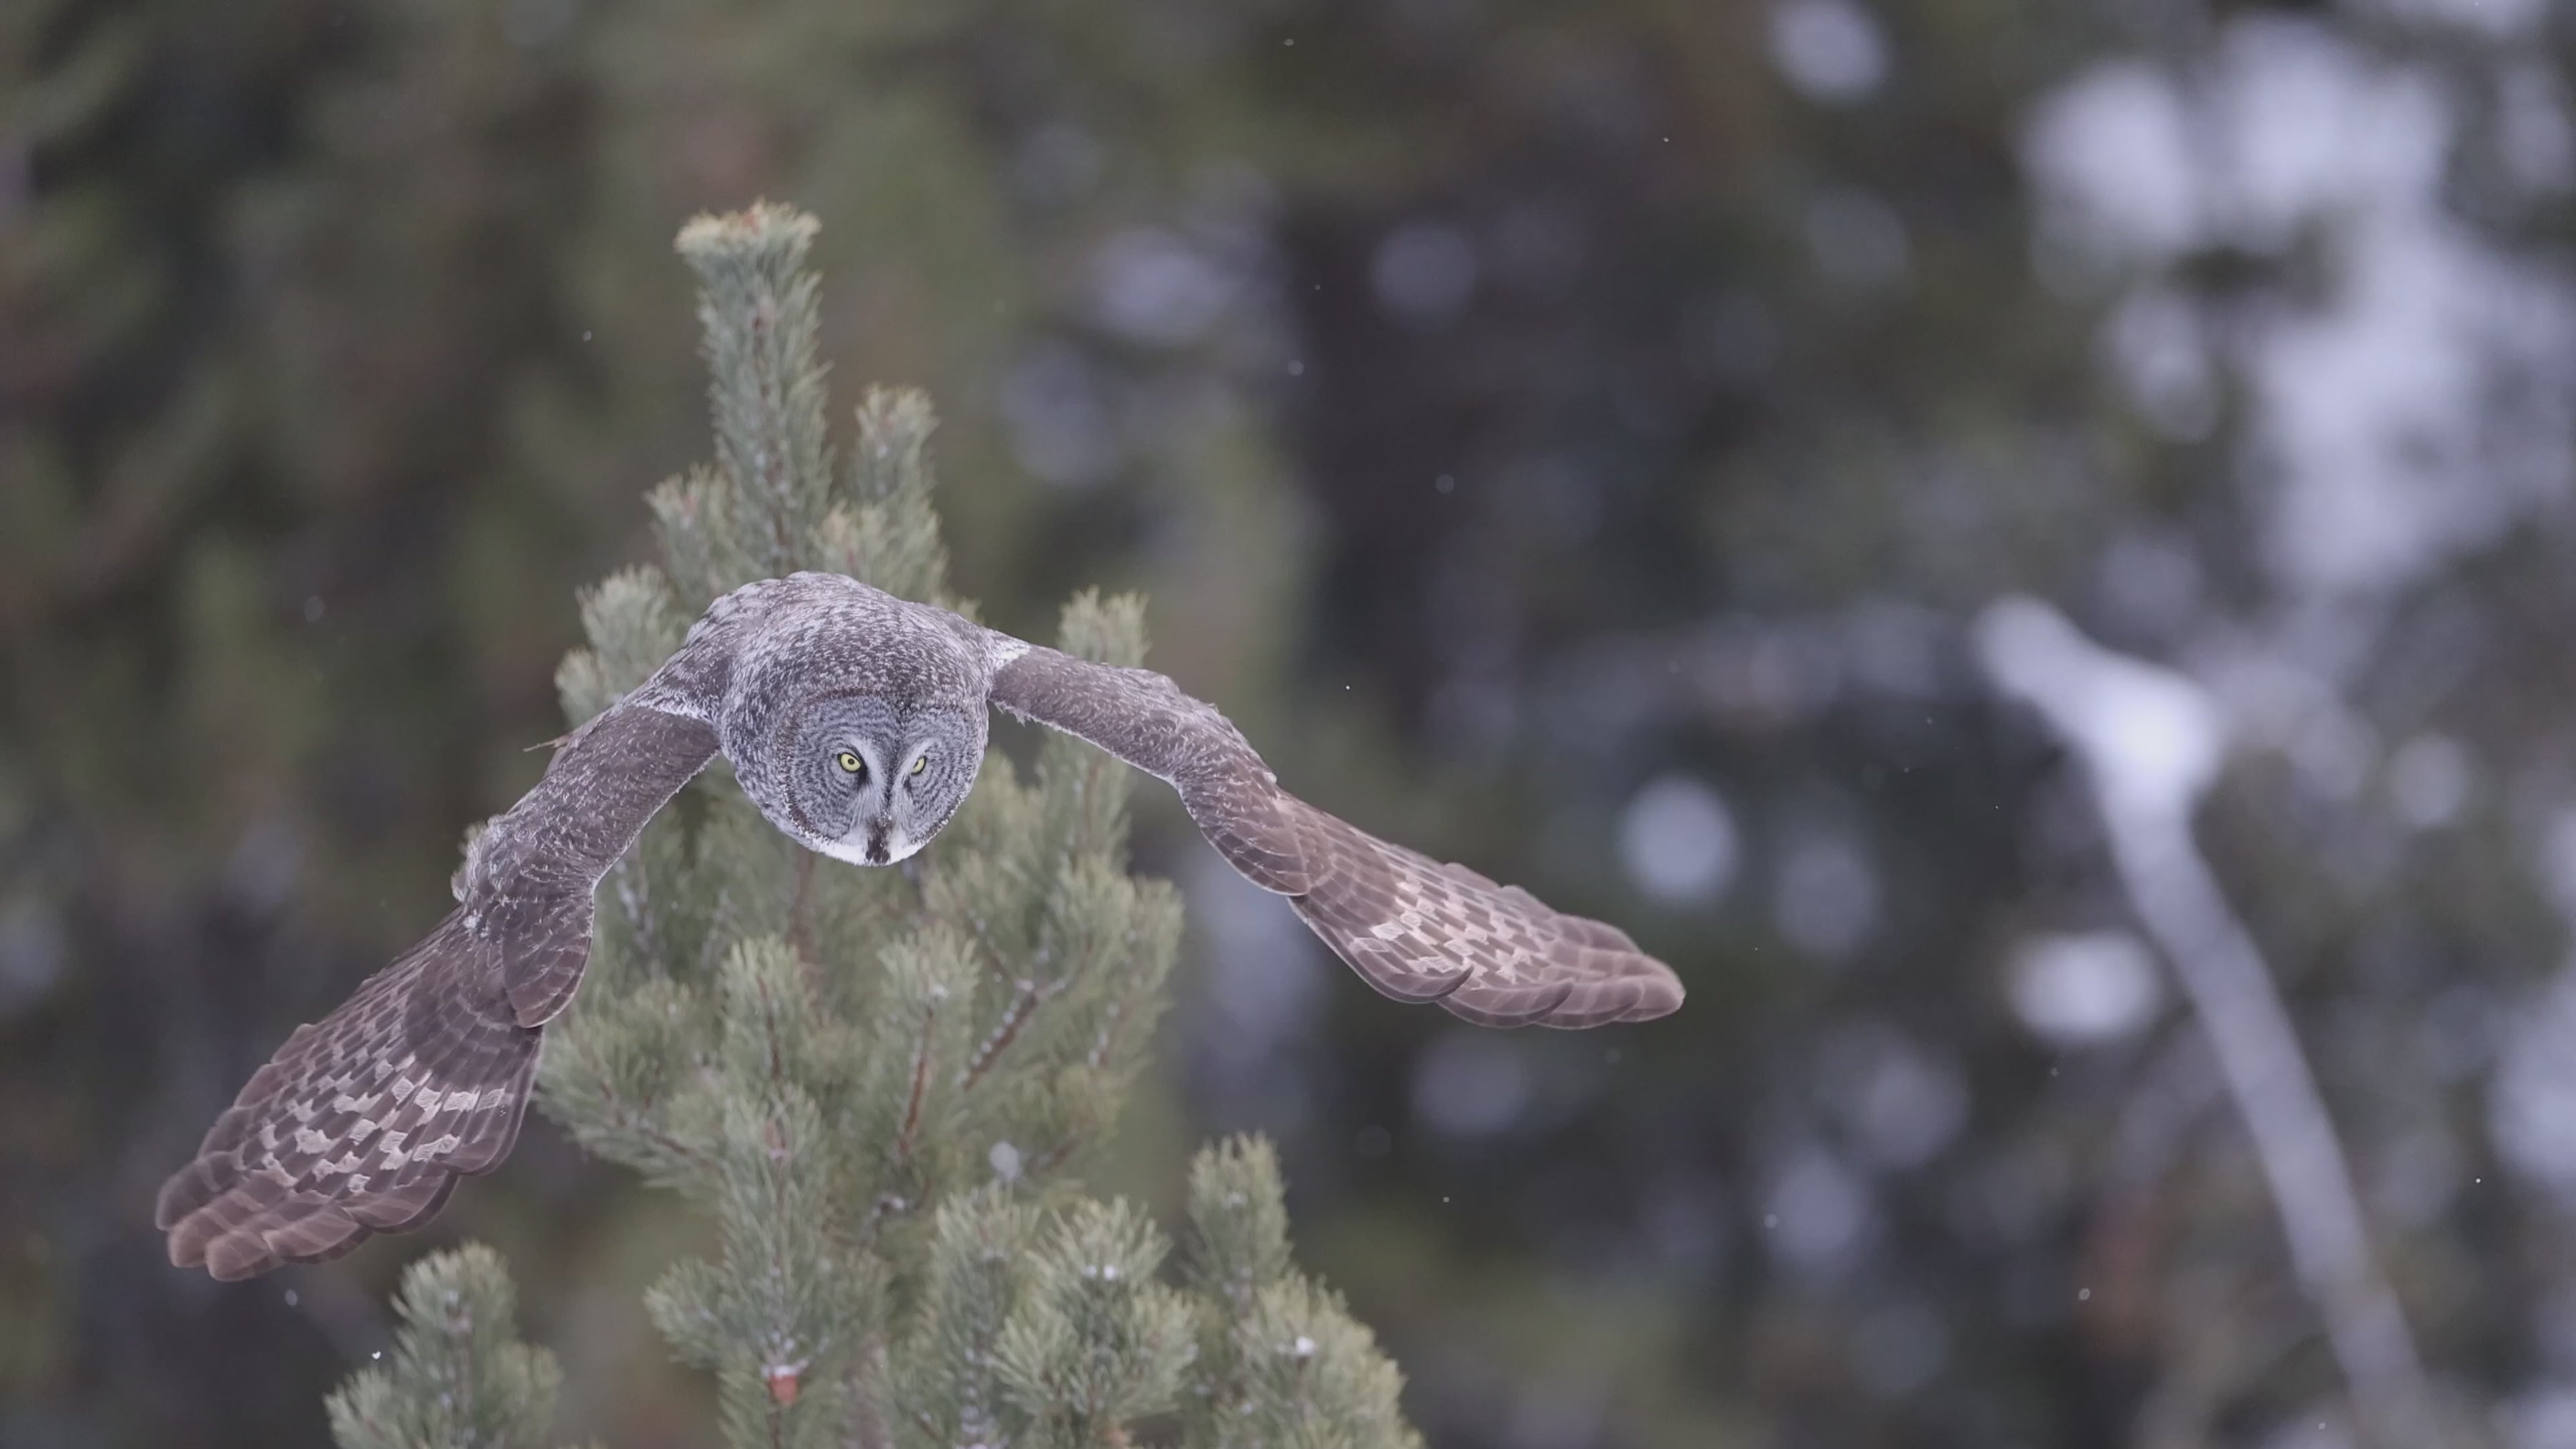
[1414,928]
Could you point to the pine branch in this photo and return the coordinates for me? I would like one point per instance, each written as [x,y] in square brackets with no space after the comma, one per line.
[766,386]
[1281,1361]
[1094,1342]
[460,1378]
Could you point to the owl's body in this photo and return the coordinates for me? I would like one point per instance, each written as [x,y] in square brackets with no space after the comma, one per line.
[903,676]
[856,722]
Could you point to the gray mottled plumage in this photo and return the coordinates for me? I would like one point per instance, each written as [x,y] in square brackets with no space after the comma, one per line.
[856,722]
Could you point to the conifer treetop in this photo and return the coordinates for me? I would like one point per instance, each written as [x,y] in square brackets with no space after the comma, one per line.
[883,1084]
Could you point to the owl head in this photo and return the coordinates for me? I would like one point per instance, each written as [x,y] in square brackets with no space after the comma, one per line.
[870,782]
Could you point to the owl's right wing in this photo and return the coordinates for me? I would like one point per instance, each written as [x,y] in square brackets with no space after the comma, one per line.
[1413,927]
[364,1120]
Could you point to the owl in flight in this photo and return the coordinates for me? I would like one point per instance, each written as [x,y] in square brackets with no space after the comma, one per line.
[856,722]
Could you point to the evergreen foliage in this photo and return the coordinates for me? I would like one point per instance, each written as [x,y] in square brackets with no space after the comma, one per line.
[1276,1348]
[880,1083]
[459,1375]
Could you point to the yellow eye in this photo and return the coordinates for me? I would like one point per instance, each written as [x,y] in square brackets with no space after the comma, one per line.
[850,762]
[921,764]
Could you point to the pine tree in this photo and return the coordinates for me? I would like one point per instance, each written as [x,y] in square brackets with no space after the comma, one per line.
[881,1083]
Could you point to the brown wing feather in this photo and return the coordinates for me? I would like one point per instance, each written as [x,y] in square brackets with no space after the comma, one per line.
[363,1122]
[1144,719]
[1414,928]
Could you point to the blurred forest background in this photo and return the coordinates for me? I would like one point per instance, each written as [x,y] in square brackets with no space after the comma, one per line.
[1578,439]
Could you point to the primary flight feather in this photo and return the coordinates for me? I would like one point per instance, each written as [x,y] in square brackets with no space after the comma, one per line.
[856,722]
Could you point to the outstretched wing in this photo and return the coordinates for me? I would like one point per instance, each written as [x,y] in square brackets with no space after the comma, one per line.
[364,1120]
[1413,927]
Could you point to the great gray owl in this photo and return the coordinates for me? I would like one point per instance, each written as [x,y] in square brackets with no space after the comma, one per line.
[856,722]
